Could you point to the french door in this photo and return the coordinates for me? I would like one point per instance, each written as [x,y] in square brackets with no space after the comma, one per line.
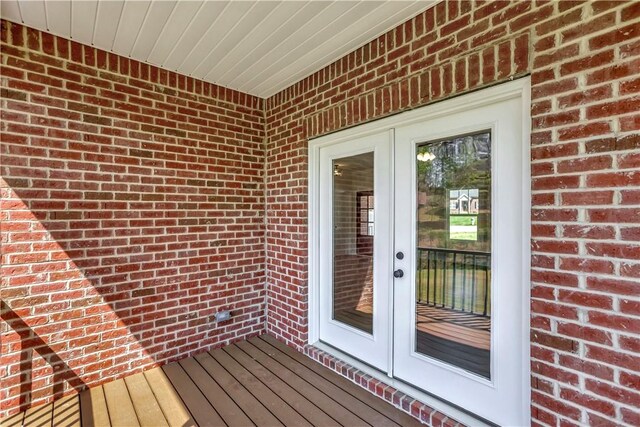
[355,217]
[422,255]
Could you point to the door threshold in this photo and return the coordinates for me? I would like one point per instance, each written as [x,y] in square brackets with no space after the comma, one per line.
[437,404]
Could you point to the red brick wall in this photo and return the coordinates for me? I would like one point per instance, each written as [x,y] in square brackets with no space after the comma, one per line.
[132,210]
[584,61]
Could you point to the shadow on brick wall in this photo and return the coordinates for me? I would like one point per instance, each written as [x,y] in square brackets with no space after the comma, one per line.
[28,343]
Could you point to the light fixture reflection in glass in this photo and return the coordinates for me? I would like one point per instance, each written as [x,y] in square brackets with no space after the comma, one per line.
[425,157]
[337,171]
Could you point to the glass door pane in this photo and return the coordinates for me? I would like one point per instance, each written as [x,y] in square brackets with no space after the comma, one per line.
[453,289]
[353,234]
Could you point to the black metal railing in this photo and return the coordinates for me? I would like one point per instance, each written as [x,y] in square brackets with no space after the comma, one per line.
[455,279]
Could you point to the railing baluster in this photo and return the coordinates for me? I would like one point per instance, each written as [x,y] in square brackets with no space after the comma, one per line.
[473,287]
[444,278]
[420,276]
[471,300]
[464,282]
[435,278]
[453,285]
[486,286]
[428,273]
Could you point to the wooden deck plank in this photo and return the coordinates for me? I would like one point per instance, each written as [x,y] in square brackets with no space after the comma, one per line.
[472,359]
[455,333]
[462,327]
[66,412]
[331,407]
[13,421]
[273,402]
[200,408]
[172,407]
[231,413]
[463,318]
[361,409]
[38,416]
[249,404]
[259,382]
[301,404]
[381,406]
[93,408]
[121,411]
[144,402]
[355,318]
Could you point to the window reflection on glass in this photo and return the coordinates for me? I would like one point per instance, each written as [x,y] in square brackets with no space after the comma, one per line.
[353,236]
[463,214]
[453,280]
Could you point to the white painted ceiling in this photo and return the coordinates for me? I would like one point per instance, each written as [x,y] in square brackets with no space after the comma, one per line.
[258,47]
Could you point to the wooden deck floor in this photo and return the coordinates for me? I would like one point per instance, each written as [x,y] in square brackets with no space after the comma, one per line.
[462,339]
[464,328]
[258,382]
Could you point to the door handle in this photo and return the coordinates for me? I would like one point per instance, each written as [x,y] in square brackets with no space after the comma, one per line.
[398,274]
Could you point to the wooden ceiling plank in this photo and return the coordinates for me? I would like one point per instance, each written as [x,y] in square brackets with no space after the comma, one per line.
[314,26]
[59,17]
[204,19]
[10,10]
[263,49]
[83,16]
[385,17]
[107,22]
[133,16]
[33,13]
[154,22]
[271,24]
[201,52]
[175,27]
[318,38]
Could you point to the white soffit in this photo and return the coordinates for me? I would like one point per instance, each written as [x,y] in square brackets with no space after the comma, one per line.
[257,47]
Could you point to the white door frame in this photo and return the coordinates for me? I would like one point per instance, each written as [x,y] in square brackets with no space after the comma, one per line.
[520,88]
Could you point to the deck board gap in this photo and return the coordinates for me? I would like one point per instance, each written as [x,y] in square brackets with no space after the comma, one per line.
[355,396]
[305,416]
[224,391]
[249,391]
[283,377]
[156,398]
[374,402]
[182,380]
[361,409]
[206,396]
[270,388]
[270,399]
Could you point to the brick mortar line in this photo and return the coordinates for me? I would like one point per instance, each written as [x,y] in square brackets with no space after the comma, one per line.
[228,110]
[228,139]
[603,328]
[587,392]
[590,393]
[575,289]
[588,309]
[211,108]
[65,323]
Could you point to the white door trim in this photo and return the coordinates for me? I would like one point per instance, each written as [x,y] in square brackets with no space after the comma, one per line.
[520,88]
